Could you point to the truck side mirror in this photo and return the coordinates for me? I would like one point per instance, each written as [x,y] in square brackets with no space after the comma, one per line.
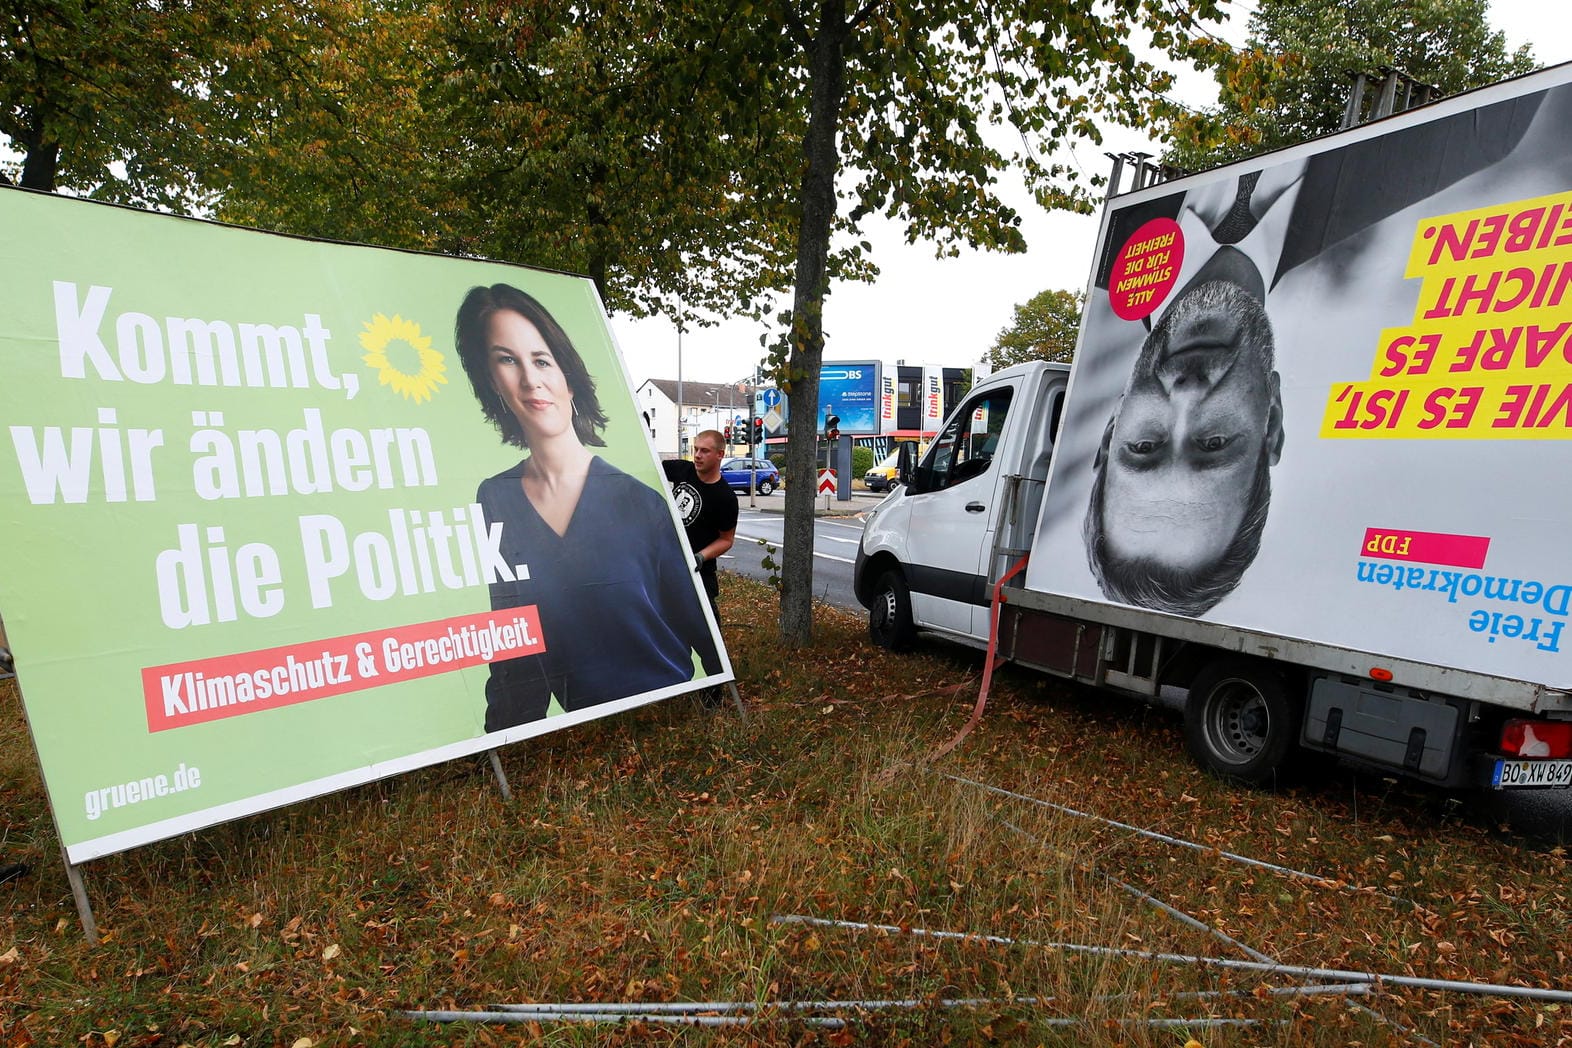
[905,462]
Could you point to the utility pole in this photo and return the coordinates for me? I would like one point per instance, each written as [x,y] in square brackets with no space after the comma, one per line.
[682,444]
[753,451]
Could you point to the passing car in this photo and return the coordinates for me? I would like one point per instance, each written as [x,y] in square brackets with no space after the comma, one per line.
[739,472]
[882,476]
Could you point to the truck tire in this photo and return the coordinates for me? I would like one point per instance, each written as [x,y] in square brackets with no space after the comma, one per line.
[890,613]
[1240,722]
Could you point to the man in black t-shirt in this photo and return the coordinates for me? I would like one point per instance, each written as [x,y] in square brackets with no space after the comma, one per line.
[708,507]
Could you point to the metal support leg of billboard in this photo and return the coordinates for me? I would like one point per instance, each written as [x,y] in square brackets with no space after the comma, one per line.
[502,776]
[736,696]
[84,908]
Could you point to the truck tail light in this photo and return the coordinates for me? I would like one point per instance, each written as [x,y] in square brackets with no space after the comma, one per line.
[1537,738]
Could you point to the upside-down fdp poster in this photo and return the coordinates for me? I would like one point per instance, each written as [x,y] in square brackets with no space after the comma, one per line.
[1327,394]
[283,516]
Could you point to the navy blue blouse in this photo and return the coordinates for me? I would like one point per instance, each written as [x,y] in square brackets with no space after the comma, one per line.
[618,612]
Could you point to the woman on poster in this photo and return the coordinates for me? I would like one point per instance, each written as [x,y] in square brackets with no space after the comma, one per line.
[607,570]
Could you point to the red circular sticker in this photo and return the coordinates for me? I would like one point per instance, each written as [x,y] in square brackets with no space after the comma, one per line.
[1146,269]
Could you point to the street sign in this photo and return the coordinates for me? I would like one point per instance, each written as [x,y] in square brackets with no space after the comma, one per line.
[773,420]
[826,481]
[771,396]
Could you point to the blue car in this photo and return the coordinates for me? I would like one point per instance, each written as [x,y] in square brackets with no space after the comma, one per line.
[737,472]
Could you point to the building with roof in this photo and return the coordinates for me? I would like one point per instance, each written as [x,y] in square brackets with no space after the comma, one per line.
[704,405]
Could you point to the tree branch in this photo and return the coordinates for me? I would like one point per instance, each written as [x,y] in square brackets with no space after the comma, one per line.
[864,13]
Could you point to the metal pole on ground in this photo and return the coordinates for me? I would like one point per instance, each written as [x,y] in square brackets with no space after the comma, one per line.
[84,908]
[502,776]
[736,697]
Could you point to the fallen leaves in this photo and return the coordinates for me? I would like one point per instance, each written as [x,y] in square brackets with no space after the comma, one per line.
[644,854]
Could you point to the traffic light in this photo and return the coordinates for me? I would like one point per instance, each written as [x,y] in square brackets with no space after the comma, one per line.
[728,436]
[832,426]
[758,430]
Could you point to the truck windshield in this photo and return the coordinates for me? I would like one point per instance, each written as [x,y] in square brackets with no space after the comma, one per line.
[966,446]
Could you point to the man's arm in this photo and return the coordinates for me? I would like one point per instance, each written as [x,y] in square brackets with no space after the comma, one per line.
[725,530]
[721,545]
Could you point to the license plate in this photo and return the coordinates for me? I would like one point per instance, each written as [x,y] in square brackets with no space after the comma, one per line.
[1511,775]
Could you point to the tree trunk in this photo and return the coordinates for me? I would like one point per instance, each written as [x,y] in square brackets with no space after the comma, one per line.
[41,164]
[827,75]
[596,264]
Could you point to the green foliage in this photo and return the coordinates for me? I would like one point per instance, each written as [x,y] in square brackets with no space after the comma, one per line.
[1044,328]
[626,141]
[1293,80]
[862,460]
[770,564]
[96,95]
[320,127]
[599,138]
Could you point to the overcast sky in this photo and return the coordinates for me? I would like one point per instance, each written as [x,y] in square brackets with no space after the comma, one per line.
[948,312]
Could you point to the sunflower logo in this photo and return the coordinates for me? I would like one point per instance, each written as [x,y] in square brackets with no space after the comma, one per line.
[403,357]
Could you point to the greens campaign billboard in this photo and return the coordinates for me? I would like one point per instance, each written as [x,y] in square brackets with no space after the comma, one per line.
[1327,394]
[284,516]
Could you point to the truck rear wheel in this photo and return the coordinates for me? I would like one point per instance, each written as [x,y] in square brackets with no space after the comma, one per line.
[890,613]
[1240,722]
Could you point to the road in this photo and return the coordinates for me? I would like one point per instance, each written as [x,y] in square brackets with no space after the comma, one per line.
[1544,814]
[759,533]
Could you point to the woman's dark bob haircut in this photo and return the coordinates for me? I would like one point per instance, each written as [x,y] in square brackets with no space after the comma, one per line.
[472,333]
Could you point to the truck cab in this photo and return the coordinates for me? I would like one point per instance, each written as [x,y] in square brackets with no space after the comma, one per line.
[932,552]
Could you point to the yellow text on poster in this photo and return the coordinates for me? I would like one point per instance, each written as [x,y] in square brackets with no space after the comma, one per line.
[1489,352]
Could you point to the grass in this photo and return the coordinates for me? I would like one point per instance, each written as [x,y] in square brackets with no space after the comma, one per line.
[644,857]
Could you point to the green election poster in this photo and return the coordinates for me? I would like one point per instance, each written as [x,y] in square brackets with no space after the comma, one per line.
[284,516]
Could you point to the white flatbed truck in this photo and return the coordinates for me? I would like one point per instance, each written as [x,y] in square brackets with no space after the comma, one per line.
[1351,533]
